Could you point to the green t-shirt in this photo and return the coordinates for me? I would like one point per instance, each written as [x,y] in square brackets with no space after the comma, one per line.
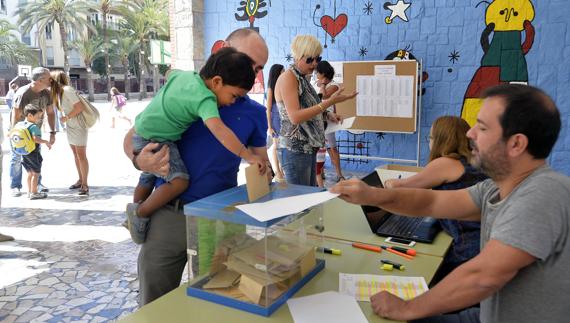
[32,128]
[184,99]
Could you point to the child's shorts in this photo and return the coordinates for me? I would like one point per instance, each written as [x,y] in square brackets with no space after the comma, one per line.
[32,162]
[177,167]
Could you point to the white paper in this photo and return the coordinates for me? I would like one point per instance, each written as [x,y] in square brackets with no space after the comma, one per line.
[384,70]
[276,208]
[386,174]
[346,124]
[385,96]
[361,287]
[338,71]
[327,307]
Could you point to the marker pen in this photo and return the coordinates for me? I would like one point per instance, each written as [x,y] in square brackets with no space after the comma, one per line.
[331,251]
[410,252]
[394,264]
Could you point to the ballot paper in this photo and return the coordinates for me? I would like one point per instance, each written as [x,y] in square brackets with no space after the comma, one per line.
[345,124]
[327,307]
[361,287]
[276,208]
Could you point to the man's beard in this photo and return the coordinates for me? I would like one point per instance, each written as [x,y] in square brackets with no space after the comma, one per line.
[494,162]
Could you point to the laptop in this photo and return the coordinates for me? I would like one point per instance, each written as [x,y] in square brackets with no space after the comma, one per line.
[386,224]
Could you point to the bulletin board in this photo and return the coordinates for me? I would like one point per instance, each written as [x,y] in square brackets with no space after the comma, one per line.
[379,123]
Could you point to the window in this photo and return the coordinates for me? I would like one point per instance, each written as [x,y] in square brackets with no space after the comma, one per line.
[48,31]
[49,56]
[25,37]
[74,58]
[3,6]
[71,35]
[4,63]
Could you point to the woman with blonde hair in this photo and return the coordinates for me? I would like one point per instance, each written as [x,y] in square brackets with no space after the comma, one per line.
[449,169]
[66,99]
[302,113]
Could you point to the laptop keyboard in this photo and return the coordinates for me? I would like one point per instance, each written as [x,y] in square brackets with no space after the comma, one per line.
[401,226]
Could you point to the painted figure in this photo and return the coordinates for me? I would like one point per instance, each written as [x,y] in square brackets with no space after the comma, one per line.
[504,58]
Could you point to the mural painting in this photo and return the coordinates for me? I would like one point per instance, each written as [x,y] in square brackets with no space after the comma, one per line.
[504,57]
[398,10]
[331,26]
[251,10]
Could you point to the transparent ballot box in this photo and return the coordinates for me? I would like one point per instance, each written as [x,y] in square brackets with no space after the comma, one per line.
[237,261]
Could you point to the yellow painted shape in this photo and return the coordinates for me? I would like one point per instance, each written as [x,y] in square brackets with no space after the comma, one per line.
[470,110]
[509,15]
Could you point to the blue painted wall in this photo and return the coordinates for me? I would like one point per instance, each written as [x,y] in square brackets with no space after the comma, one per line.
[435,29]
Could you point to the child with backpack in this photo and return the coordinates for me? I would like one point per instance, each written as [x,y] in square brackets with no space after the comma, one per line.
[26,138]
[118,102]
[186,98]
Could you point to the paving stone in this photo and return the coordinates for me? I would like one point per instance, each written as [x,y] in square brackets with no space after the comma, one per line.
[61,286]
[8,298]
[29,316]
[96,309]
[23,306]
[95,294]
[24,289]
[41,290]
[65,264]
[42,318]
[78,301]
[35,296]
[52,302]
[79,286]
[49,281]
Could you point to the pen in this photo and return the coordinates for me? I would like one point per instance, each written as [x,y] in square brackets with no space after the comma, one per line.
[331,251]
[400,176]
[410,252]
[366,247]
[397,253]
[394,264]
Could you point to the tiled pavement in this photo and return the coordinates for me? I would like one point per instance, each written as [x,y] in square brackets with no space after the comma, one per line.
[72,261]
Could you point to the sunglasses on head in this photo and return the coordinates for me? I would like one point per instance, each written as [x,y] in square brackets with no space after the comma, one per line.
[310,60]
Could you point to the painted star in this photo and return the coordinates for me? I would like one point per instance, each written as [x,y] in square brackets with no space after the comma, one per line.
[363,51]
[368,8]
[289,57]
[398,10]
[453,56]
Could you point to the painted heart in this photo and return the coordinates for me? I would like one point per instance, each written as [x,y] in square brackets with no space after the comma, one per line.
[217,45]
[334,26]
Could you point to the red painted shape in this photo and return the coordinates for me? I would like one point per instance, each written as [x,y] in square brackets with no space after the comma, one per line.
[334,26]
[217,45]
[485,77]
[251,19]
[258,86]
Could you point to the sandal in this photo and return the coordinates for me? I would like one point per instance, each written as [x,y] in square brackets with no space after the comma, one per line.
[84,190]
[75,186]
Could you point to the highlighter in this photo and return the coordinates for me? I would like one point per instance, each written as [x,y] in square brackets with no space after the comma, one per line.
[331,251]
[393,264]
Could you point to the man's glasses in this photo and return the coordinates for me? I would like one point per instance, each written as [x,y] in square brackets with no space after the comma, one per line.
[310,60]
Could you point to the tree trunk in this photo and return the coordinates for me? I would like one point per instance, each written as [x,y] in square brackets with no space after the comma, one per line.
[106,49]
[126,79]
[155,79]
[90,87]
[142,83]
[63,35]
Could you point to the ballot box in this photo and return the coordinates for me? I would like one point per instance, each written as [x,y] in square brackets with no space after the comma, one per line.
[238,261]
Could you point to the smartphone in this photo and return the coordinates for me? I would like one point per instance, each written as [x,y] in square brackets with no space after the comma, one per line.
[400,241]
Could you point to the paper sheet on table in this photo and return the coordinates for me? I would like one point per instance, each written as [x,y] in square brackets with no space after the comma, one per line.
[327,307]
[346,124]
[270,210]
[385,96]
[361,287]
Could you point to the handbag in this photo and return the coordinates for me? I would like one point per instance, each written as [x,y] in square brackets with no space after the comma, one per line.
[89,115]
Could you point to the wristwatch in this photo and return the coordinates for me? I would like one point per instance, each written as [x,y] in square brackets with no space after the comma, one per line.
[52,132]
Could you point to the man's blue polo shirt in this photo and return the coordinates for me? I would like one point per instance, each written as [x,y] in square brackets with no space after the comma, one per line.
[213,168]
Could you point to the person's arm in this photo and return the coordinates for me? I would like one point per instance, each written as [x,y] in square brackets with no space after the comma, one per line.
[147,159]
[268,106]
[453,204]
[51,121]
[470,283]
[328,91]
[227,138]
[77,108]
[287,86]
[39,140]
[438,171]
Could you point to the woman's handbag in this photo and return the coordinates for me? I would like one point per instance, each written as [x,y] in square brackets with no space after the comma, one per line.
[89,115]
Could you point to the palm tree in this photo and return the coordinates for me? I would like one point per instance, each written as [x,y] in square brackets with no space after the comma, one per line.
[105,7]
[142,18]
[90,49]
[11,49]
[67,14]
[123,48]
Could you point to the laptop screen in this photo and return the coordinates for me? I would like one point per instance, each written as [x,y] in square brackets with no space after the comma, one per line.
[374,215]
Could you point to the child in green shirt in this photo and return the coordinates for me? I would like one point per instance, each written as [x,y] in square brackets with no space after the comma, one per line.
[185,98]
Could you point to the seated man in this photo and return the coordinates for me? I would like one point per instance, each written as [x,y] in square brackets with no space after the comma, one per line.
[521,273]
